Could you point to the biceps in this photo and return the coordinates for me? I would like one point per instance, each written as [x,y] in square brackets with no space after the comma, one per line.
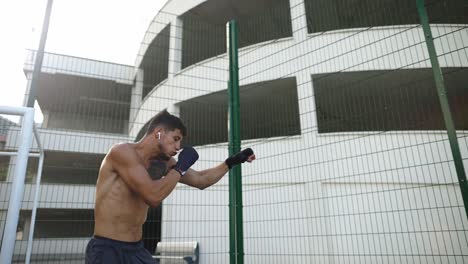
[137,180]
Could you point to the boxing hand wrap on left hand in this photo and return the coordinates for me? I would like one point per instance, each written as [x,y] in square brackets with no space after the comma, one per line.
[187,158]
[240,157]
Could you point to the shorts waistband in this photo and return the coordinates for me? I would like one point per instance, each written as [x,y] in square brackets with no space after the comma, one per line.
[123,243]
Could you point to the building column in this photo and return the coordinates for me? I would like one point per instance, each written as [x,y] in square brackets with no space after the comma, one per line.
[45,120]
[27,226]
[306,100]
[28,88]
[298,19]
[175,47]
[136,99]
[174,110]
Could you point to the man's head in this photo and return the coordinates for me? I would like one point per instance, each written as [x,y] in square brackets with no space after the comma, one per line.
[168,131]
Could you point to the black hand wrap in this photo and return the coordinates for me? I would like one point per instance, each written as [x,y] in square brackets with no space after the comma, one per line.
[240,157]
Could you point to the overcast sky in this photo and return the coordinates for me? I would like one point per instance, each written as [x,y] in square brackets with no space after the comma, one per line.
[108,30]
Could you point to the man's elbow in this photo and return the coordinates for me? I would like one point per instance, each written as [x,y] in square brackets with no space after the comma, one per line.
[153,201]
[154,204]
[202,186]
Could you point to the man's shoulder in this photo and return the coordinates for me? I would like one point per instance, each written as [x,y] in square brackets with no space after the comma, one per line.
[122,152]
[123,146]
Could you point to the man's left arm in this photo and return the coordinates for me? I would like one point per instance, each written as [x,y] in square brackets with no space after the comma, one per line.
[205,178]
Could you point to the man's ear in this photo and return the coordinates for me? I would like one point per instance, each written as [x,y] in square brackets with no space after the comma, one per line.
[158,132]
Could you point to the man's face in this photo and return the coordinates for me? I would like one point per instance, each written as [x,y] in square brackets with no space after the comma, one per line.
[169,143]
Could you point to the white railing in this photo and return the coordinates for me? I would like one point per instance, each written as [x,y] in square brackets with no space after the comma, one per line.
[54,246]
[28,131]
[57,196]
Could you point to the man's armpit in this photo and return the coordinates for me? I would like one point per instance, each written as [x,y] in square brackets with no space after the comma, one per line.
[157,170]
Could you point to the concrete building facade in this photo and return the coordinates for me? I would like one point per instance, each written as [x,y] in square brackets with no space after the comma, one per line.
[356,175]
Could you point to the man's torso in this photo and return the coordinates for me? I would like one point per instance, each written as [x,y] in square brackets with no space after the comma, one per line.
[120,212]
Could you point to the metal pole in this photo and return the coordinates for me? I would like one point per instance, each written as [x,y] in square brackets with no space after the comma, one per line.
[36,198]
[232,201]
[34,155]
[232,197]
[235,179]
[442,92]
[17,188]
[39,56]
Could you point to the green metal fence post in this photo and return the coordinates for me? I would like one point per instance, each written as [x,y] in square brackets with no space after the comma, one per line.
[439,80]
[232,207]
[235,180]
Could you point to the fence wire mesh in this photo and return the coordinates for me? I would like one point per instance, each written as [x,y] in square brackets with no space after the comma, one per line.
[338,101]
[365,174]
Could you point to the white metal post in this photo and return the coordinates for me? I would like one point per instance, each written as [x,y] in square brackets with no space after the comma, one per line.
[36,198]
[17,189]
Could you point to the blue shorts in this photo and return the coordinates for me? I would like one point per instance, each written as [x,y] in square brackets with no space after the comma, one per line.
[106,251]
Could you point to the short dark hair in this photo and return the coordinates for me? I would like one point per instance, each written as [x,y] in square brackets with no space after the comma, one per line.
[168,121]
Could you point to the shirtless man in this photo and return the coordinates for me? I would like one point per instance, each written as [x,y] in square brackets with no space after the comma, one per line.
[125,190]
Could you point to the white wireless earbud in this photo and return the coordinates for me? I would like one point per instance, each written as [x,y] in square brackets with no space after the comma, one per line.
[159,135]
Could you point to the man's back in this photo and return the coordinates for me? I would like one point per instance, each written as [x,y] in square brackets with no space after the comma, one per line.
[119,212]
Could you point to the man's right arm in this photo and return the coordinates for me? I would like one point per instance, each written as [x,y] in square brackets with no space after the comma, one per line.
[127,164]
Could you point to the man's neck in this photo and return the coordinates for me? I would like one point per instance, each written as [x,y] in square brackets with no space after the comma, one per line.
[147,150]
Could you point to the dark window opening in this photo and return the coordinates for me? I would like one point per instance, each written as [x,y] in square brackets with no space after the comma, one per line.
[204,26]
[388,100]
[7,168]
[268,109]
[64,223]
[326,15]
[152,229]
[4,167]
[155,62]
[83,103]
[71,168]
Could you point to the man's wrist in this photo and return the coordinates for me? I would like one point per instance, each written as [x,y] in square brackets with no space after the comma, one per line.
[181,172]
[227,166]
[229,162]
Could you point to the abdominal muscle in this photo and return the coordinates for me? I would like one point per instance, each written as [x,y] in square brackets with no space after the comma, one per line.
[119,212]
